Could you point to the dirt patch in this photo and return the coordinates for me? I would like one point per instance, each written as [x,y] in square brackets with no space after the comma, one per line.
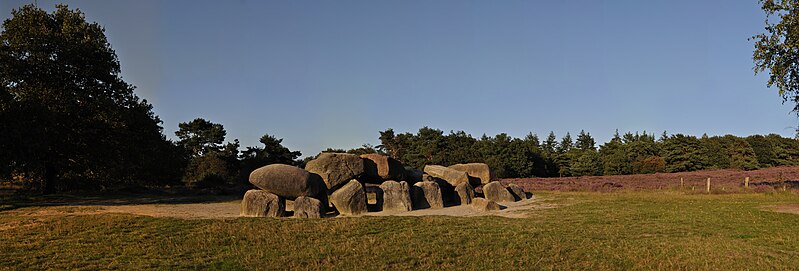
[786,208]
[229,210]
[519,209]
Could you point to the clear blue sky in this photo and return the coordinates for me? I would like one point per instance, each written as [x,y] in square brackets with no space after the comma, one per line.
[333,73]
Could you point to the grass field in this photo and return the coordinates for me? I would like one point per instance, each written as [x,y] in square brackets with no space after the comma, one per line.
[589,231]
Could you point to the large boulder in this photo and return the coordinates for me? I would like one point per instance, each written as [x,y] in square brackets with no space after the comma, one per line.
[336,169]
[380,167]
[465,193]
[259,203]
[453,177]
[484,205]
[307,207]
[396,196]
[477,170]
[426,195]
[289,182]
[350,199]
[497,192]
[517,191]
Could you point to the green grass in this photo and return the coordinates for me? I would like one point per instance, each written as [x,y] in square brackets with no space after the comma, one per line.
[590,231]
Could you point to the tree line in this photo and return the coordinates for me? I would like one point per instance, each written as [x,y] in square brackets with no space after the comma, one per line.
[630,153]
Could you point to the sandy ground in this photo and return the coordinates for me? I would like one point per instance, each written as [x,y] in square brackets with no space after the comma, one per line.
[230,209]
[787,208]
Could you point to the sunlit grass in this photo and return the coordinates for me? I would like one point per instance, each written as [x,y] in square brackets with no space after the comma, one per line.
[595,231]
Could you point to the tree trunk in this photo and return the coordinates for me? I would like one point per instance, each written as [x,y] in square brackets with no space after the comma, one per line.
[49,179]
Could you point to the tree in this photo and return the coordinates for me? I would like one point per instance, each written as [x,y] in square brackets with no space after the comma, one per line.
[585,142]
[776,51]
[200,136]
[72,119]
[272,152]
[683,153]
[565,155]
[587,163]
[614,157]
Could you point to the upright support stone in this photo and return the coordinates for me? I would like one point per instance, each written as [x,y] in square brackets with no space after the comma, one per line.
[426,195]
[746,182]
[517,191]
[708,185]
[307,207]
[259,203]
[465,193]
[497,192]
[350,199]
[396,196]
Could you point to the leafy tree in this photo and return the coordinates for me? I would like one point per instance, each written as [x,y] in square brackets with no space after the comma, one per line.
[786,150]
[549,152]
[539,162]
[272,152]
[614,157]
[683,153]
[764,150]
[551,144]
[742,155]
[565,155]
[69,119]
[642,150]
[587,163]
[776,51]
[200,136]
[585,142]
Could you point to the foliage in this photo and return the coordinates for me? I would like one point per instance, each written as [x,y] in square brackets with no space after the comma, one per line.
[68,117]
[631,153]
[200,136]
[775,50]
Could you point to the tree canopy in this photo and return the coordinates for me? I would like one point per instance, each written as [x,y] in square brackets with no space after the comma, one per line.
[776,49]
[68,117]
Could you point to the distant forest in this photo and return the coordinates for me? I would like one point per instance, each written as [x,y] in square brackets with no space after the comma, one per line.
[630,153]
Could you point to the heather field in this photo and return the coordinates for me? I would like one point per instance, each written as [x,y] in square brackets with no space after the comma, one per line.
[722,181]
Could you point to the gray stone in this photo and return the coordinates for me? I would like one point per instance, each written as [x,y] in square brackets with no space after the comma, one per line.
[426,195]
[289,182]
[497,192]
[307,207]
[336,169]
[396,196]
[350,199]
[484,205]
[380,167]
[465,193]
[259,203]
[477,170]
[453,177]
[517,191]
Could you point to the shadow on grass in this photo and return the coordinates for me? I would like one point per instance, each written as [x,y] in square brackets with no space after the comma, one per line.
[10,200]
